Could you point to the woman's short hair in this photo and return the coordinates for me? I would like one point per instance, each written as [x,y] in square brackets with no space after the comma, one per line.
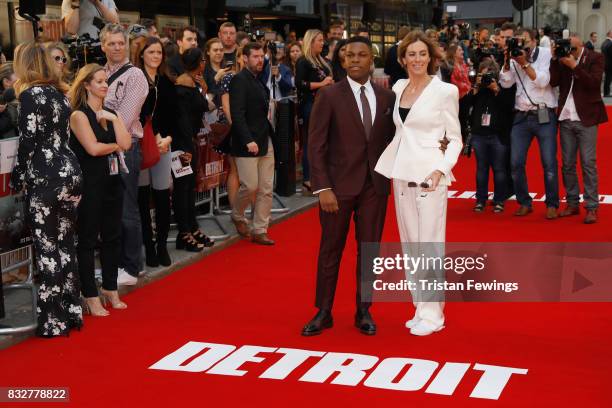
[191,59]
[142,47]
[432,49]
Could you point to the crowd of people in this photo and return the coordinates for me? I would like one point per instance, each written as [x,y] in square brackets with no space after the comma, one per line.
[101,145]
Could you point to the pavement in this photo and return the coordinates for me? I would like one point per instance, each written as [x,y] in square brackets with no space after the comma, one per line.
[18,302]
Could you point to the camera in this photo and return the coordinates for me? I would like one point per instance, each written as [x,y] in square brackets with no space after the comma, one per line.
[515,46]
[487,79]
[563,48]
[84,50]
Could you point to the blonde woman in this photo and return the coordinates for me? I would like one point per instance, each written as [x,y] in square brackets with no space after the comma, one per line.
[49,172]
[97,135]
[313,72]
[60,57]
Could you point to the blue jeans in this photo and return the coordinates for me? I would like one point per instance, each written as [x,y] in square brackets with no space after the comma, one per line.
[525,127]
[131,229]
[490,153]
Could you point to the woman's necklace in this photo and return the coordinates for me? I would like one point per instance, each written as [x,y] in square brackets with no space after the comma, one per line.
[419,88]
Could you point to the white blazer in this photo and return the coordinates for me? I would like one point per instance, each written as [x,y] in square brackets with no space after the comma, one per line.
[415,151]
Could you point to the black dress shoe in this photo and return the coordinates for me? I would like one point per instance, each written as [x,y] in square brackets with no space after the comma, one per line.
[322,320]
[365,323]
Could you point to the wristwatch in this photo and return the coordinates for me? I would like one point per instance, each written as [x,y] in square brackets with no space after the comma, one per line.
[75,4]
[527,65]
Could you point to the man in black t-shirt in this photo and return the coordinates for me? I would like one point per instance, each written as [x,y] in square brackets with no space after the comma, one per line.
[188,39]
[227,34]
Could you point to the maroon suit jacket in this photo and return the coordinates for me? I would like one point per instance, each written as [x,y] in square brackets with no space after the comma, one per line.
[587,82]
[339,155]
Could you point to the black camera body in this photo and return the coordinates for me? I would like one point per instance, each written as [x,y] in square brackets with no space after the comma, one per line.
[84,50]
[515,46]
[563,48]
[487,79]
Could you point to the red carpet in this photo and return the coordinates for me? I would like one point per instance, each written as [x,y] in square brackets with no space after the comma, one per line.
[250,295]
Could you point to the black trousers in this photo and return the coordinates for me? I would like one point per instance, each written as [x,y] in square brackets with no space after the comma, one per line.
[100,214]
[368,211]
[183,202]
[161,199]
[607,81]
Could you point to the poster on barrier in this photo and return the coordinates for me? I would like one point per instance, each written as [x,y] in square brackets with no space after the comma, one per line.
[13,231]
[212,167]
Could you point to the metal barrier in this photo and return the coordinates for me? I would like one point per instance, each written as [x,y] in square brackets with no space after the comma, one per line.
[10,261]
[203,198]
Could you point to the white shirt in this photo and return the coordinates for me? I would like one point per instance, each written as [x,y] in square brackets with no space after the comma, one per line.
[539,89]
[370,95]
[545,41]
[569,111]
[87,12]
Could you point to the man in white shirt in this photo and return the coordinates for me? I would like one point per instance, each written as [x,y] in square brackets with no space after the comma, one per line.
[78,15]
[581,110]
[535,116]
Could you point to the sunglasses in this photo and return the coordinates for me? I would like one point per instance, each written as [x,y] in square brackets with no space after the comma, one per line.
[414,184]
[63,60]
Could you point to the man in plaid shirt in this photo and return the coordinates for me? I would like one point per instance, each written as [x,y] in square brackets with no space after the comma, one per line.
[126,95]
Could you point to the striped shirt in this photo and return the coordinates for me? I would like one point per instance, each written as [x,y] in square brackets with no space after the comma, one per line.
[126,96]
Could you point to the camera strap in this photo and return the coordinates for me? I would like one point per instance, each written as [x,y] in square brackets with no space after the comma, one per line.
[118,73]
[523,85]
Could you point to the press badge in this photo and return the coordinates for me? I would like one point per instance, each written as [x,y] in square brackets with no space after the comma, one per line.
[486,119]
[113,165]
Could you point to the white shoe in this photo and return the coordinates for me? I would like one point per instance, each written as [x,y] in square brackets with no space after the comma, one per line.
[412,322]
[125,279]
[424,328]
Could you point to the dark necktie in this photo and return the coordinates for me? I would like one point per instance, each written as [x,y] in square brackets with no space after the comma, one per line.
[367,113]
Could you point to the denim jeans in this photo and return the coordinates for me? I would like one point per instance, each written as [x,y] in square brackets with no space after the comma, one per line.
[131,229]
[490,153]
[524,129]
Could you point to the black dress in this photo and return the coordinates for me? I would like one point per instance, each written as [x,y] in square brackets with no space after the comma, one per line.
[100,210]
[190,107]
[50,171]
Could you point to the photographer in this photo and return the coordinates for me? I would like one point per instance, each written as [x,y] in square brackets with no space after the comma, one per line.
[85,16]
[274,68]
[491,121]
[578,71]
[527,66]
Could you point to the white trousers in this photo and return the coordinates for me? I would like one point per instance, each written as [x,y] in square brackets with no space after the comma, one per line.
[421,218]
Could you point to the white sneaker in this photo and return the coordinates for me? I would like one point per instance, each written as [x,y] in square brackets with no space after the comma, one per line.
[424,328]
[412,322]
[125,279]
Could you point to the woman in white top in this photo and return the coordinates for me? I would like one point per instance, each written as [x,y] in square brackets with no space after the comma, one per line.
[426,110]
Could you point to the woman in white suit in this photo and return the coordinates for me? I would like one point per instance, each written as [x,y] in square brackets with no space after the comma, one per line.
[426,110]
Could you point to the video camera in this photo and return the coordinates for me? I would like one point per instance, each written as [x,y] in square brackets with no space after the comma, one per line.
[563,48]
[84,50]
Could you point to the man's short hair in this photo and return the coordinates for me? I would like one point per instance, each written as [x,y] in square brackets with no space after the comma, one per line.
[227,24]
[508,26]
[533,34]
[147,23]
[402,32]
[112,28]
[191,29]
[359,39]
[251,46]
[594,32]
[241,35]
[335,24]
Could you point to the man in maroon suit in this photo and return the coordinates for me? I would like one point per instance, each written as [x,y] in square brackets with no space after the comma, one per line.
[581,109]
[351,124]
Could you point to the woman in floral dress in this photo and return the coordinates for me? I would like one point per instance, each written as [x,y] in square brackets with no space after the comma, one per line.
[50,173]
